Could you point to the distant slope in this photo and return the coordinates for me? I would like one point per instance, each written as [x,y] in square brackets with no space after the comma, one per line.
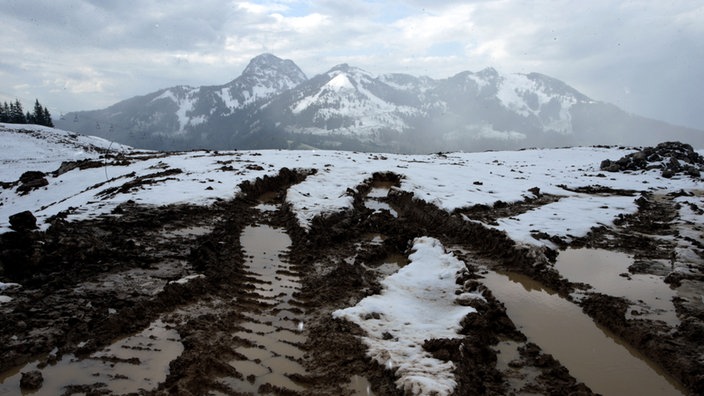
[39,148]
[273,105]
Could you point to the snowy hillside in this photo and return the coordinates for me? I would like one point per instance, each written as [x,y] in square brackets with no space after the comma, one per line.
[34,147]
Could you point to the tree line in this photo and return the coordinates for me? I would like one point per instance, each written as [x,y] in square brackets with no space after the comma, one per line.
[13,113]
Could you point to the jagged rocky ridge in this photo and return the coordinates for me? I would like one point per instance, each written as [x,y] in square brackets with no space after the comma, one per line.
[274,105]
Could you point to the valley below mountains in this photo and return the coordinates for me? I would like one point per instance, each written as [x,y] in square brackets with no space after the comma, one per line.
[274,105]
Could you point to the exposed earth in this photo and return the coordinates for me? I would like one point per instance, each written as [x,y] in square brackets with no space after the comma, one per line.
[185,272]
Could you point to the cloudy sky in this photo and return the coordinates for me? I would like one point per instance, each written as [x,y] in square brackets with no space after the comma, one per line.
[645,56]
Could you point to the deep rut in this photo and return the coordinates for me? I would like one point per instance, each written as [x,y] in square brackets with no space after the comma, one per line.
[269,355]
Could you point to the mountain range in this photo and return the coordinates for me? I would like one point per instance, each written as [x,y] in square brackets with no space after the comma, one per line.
[273,104]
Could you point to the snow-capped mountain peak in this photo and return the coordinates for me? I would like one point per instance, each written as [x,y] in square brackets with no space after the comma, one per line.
[272,67]
[349,101]
[264,77]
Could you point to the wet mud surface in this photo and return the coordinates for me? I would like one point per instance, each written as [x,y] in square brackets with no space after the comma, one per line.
[240,298]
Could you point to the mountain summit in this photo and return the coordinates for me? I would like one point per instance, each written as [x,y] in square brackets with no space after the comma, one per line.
[268,65]
[272,104]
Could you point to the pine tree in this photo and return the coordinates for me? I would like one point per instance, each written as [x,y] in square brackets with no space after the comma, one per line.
[16,113]
[6,111]
[13,114]
[38,114]
[47,118]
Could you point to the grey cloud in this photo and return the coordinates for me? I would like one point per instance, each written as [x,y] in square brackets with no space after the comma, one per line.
[643,56]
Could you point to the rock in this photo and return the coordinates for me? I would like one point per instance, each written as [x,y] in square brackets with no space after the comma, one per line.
[31,180]
[31,380]
[672,157]
[32,185]
[30,176]
[692,171]
[639,156]
[23,221]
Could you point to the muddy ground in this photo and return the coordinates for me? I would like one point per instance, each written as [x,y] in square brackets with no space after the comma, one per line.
[72,301]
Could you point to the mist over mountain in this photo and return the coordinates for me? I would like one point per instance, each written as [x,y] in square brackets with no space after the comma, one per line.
[274,105]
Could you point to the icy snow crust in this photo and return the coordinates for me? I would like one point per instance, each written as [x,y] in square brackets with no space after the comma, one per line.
[416,304]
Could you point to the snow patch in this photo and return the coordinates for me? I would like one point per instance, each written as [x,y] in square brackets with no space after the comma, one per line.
[187,279]
[4,286]
[569,217]
[527,97]
[340,83]
[417,303]
[230,102]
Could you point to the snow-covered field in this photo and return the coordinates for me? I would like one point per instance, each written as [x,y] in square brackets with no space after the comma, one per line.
[449,181]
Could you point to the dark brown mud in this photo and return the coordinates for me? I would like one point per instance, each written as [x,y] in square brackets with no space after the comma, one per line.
[86,284]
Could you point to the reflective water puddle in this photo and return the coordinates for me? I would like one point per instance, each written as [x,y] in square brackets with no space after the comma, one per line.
[591,354]
[360,386]
[374,199]
[139,362]
[267,202]
[274,333]
[603,270]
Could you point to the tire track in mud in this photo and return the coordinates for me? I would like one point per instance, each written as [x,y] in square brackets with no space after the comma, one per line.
[239,337]
[272,333]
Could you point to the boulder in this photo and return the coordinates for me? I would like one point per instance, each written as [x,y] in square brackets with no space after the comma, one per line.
[23,221]
[31,380]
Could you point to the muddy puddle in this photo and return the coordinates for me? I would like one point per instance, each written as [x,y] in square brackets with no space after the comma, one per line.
[375,198]
[591,354]
[360,386]
[139,362]
[266,202]
[390,263]
[271,335]
[607,272]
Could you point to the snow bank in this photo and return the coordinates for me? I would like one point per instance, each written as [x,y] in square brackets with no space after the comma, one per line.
[417,304]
